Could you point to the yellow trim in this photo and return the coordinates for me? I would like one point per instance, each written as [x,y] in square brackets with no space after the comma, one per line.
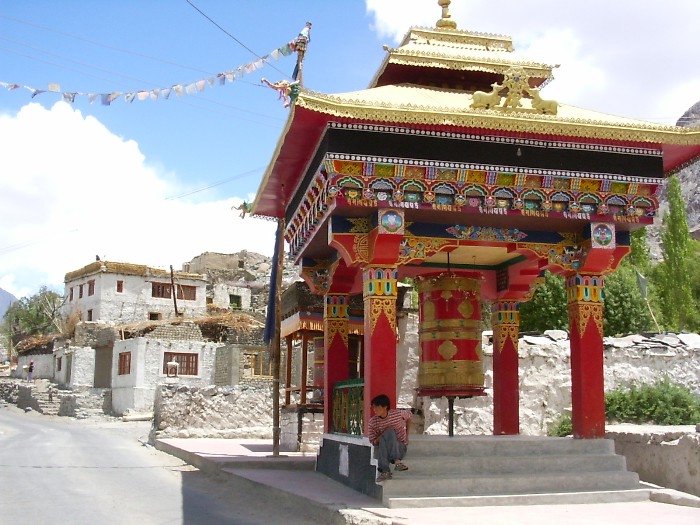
[512,121]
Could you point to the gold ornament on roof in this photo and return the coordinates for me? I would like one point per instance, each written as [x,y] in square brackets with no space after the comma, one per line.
[516,84]
[446,21]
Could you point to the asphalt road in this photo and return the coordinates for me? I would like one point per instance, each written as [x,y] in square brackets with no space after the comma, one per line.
[56,470]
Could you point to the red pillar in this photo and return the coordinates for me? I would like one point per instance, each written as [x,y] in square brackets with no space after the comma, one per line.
[505,320]
[585,306]
[379,292]
[335,333]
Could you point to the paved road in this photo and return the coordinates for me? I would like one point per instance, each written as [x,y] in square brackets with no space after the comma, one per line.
[64,471]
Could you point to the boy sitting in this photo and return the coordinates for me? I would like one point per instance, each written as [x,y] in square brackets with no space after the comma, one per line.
[388,429]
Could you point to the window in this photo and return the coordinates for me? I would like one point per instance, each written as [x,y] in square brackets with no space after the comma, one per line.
[124,363]
[155,316]
[71,293]
[234,301]
[257,364]
[187,363]
[120,286]
[91,287]
[241,263]
[59,362]
[89,315]
[161,290]
[80,291]
[187,293]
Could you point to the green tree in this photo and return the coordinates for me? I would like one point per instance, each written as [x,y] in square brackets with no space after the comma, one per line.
[35,315]
[675,300]
[624,308]
[639,257]
[547,308]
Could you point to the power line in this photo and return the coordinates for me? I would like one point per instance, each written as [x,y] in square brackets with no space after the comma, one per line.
[105,46]
[231,36]
[218,183]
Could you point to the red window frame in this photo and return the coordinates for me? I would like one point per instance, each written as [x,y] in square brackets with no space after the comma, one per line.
[188,363]
[124,363]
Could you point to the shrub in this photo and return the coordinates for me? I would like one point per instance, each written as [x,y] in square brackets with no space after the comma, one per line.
[561,427]
[663,403]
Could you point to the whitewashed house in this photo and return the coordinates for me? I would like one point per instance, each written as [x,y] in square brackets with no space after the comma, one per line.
[115,292]
[169,354]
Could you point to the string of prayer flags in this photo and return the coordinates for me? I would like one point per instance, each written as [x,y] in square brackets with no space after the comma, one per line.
[191,88]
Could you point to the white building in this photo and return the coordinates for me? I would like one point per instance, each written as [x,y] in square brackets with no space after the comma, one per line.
[140,364]
[106,291]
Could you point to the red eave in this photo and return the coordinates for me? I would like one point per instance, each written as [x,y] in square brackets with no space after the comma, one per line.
[300,140]
[297,146]
[677,157]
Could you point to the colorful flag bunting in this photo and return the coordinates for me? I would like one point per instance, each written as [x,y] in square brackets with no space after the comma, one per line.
[106,99]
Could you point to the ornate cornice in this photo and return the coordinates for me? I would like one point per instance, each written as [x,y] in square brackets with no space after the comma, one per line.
[489,65]
[513,121]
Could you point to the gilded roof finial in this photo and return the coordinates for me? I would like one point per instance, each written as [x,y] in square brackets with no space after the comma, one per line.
[446,21]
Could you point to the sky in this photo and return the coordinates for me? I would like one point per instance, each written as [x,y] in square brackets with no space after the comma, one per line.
[155,182]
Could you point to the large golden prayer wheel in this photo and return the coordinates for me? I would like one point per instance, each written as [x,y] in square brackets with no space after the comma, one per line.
[450,335]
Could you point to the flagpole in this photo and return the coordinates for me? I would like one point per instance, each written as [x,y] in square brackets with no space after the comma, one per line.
[276,339]
[658,329]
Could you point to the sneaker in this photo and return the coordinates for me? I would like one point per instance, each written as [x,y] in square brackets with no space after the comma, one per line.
[400,466]
[383,476]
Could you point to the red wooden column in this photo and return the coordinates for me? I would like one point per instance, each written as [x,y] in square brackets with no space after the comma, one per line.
[585,307]
[379,293]
[337,354]
[505,320]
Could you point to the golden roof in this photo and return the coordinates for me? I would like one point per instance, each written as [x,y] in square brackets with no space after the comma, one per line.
[456,50]
[410,104]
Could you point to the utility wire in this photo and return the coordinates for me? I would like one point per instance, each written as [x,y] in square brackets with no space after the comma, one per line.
[231,36]
[105,46]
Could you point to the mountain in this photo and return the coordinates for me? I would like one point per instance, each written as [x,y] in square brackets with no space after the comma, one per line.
[689,178]
[6,299]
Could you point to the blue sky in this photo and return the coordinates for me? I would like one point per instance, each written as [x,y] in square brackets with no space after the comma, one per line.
[153,182]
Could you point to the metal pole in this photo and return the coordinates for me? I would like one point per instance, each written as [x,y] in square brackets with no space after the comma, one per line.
[451,404]
[275,341]
[172,285]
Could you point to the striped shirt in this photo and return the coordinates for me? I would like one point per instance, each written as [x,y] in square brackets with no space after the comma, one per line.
[396,419]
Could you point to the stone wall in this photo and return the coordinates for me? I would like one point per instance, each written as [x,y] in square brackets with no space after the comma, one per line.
[665,456]
[241,411]
[545,380]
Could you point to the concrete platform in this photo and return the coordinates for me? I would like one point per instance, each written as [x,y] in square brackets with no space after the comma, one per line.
[291,476]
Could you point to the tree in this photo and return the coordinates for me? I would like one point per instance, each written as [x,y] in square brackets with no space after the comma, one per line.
[547,308]
[35,315]
[674,294]
[624,308]
[639,257]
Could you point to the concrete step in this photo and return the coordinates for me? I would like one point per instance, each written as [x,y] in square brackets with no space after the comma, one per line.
[560,498]
[505,446]
[403,485]
[466,466]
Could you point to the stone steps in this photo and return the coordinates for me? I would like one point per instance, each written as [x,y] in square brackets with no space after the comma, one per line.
[513,470]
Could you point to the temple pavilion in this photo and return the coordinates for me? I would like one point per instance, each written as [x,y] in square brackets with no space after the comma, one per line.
[452,168]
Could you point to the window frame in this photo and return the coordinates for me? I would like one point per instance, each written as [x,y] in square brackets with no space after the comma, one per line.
[187,362]
[124,364]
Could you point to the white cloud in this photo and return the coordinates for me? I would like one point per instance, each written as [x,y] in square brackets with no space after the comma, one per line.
[624,57]
[70,190]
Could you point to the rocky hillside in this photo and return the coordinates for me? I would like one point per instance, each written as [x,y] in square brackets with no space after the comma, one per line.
[6,299]
[690,188]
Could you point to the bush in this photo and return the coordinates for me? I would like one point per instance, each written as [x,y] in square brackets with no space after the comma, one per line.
[663,403]
[561,427]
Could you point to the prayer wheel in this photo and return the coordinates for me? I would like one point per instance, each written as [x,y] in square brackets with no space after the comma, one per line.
[450,335]
[319,362]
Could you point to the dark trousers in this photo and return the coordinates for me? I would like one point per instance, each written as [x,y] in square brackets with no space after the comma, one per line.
[390,450]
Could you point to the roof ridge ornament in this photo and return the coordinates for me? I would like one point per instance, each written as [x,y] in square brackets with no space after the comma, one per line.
[446,21]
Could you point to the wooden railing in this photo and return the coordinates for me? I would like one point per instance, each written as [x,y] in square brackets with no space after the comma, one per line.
[348,407]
